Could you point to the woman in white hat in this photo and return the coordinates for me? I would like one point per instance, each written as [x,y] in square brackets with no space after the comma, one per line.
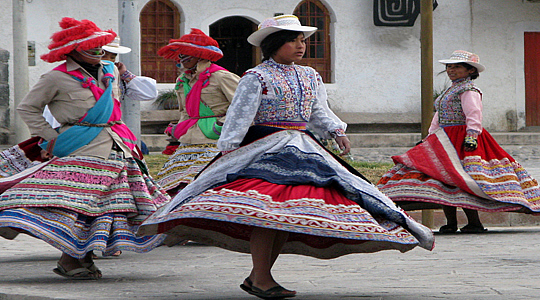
[140,88]
[459,164]
[276,189]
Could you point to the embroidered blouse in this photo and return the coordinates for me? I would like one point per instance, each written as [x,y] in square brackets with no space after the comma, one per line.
[273,92]
[460,104]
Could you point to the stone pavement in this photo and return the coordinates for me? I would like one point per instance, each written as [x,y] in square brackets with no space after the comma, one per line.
[500,264]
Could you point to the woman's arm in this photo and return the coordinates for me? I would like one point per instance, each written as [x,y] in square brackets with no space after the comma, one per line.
[241,112]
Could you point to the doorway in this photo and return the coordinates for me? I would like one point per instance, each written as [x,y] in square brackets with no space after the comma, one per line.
[231,34]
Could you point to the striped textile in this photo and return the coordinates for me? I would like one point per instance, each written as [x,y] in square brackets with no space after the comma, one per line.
[287,181]
[438,172]
[80,203]
[186,162]
[17,158]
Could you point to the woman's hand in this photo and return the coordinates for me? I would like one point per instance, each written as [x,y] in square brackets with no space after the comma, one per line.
[121,68]
[45,155]
[344,144]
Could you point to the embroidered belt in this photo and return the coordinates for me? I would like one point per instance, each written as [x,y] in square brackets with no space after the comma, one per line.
[286,125]
[205,117]
[87,124]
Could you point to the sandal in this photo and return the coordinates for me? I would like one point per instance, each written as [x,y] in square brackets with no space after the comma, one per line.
[473,229]
[94,270]
[448,229]
[277,292]
[247,287]
[77,274]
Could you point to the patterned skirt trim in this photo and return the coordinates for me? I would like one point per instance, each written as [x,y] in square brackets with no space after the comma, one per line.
[439,171]
[186,162]
[79,204]
[287,181]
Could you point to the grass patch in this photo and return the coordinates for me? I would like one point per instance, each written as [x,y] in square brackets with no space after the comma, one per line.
[155,162]
[371,170]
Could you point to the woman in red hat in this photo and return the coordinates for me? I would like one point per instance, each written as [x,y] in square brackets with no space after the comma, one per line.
[92,192]
[204,91]
[459,164]
[276,189]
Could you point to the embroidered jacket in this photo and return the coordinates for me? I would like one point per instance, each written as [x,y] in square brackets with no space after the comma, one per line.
[448,104]
[273,92]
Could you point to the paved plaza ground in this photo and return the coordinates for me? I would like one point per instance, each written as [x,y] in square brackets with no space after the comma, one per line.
[503,263]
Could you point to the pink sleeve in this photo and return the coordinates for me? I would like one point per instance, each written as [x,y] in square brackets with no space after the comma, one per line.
[471,102]
[434,123]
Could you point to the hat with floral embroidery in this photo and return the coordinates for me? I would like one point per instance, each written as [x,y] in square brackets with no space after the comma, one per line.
[275,24]
[76,35]
[196,44]
[462,56]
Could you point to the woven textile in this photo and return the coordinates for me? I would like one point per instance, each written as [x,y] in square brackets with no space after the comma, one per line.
[76,234]
[436,171]
[88,185]
[79,204]
[287,181]
[186,162]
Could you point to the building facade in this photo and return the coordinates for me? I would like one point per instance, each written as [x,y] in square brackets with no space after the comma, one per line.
[372,73]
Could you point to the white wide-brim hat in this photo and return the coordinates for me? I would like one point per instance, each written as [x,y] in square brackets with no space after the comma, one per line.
[275,24]
[115,47]
[462,56]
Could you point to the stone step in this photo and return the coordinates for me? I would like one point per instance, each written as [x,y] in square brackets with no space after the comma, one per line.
[157,142]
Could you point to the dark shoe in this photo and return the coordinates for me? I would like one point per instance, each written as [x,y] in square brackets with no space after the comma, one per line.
[277,292]
[247,287]
[473,229]
[448,229]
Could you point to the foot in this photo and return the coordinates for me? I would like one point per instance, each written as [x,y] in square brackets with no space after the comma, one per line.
[470,228]
[276,292]
[73,272]
[246,285]
[448,228]
[88,262]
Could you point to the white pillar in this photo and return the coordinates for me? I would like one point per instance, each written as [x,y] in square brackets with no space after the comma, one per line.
[20,67]
[129,32]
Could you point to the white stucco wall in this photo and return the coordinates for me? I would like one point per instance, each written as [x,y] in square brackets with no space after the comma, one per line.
[376,69]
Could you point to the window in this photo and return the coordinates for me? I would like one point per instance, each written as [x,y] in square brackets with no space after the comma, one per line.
[314,13]
[160,22]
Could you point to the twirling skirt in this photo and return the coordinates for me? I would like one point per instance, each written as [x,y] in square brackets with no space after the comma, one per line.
[186,162]
[439,172]
[287,181]
[79,203]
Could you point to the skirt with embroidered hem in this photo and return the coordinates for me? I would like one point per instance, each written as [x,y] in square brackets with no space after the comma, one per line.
[20,157]
[79,204]
[321,222]
[186,162]
[439,172]
[287,181]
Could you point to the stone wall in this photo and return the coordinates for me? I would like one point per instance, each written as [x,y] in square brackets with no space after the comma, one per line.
[4,96]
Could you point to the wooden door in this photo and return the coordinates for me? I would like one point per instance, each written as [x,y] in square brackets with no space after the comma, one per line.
[532,78]
[160,22]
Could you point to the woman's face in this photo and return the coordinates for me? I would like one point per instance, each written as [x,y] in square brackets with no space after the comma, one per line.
[457,71]
[109,56]
[292,51]
[188,62]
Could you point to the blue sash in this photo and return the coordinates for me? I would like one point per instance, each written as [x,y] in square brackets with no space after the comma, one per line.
[77,136]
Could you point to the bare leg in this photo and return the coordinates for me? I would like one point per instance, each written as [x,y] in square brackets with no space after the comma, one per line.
[265,246]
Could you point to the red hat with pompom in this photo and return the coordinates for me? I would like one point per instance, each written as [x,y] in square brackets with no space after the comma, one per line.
[76,35]
[196,44]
